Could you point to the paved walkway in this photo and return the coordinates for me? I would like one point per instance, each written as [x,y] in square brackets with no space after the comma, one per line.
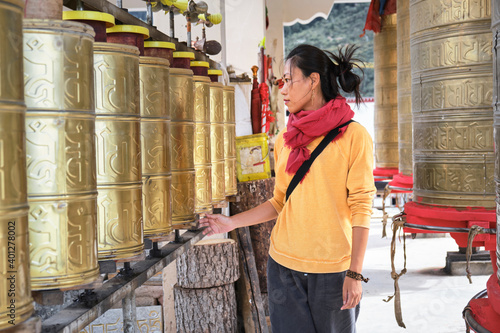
[431,300]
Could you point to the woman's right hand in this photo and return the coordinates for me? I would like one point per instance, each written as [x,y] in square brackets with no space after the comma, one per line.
[215,224]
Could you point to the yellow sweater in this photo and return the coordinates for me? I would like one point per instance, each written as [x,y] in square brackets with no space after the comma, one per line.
[313,233]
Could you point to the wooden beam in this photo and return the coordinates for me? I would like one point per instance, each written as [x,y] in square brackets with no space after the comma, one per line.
[244,295]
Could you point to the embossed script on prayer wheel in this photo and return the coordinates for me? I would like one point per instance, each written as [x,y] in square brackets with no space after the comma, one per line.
[182,138]
[117,133]
[452,88]
[405,128]
[386,99]
[217,142]
[202,156]
[155,143]
[60,150]
[14,246]
[229,141]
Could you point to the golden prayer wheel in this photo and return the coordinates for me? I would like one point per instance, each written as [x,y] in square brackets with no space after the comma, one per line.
[14,267]
[118,145]
[386,99]
[202,156]
[61,162]
[452,89]
[405,128]
[229,141]
[155,146]
[217,142]
[182,138]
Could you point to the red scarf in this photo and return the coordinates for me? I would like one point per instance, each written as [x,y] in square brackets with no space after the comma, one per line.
[305,126]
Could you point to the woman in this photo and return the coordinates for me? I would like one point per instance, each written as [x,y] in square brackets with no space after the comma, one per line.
[321,232]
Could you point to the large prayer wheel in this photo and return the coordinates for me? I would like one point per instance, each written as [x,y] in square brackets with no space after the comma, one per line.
[217,142]
[452,88]
[60,149]
[14,246]
[229,141]
[405,128]
[118,145]
[202,156]
[182,138]
[386,95]
[155,146]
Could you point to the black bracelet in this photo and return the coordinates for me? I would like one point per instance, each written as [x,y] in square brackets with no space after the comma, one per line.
[356,276]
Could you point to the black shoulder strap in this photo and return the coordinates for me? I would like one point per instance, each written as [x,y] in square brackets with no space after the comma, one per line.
[307,164]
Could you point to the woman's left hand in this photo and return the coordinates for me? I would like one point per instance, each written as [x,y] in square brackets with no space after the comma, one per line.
[351,293]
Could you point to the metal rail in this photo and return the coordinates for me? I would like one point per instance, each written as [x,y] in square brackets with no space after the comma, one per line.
[94,303]
[470,322]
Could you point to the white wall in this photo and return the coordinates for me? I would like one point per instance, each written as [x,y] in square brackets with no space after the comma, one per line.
[245,28]
[275,47]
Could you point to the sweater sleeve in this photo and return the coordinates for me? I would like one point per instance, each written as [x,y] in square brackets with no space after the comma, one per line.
[278,199]
[360,183]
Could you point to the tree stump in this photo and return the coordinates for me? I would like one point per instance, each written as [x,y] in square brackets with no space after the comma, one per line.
[209,263]
[208,310]
[254,193]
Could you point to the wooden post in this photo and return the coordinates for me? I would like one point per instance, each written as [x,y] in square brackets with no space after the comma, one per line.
[246,244]
[246,301]
[205,310]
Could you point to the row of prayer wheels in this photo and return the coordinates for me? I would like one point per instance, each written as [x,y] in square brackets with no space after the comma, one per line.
[101,145]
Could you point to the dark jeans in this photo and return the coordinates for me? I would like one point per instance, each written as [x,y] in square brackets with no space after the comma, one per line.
[307,303]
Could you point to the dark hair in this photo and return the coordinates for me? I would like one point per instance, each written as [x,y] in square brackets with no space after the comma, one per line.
[334,70]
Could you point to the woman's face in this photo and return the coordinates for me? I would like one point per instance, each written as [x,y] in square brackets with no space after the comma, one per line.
[297,89]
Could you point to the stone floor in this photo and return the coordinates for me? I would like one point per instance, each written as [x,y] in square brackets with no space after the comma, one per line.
[432,301]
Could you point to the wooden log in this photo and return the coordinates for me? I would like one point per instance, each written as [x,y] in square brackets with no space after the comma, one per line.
[252,194]
[43,9]
[260,235]
[48,297]
[209,263]
[209,310]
